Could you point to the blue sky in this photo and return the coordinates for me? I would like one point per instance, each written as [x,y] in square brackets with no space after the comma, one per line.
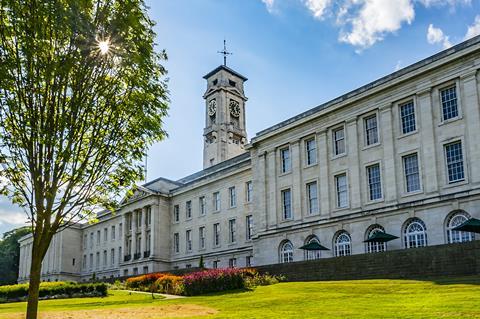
[296,53]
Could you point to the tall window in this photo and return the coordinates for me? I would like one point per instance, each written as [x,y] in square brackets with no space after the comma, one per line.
[249,227]
[176,242]
[112,233]
[112,256]
[98,237]
[148,218]
[84,262]
[202,204]
[105,234]
[343,244]
[188,240]
[371,130]
[449,103]
[287,204]
[374,247]
[176,213]
[455,236]
[216,235]
[120,254]
[407,116]
[312,254]
[201,237]
[85,241]
[339,141]
[232,262]
[188,209]
[415,233]
[105,258]
[233,196]
[312,194]
[120,230]
[216,201]
[232,230]
[342,190]
[285,160]
[286,252]
[249,261]
[454,159]
[374,182]
[249,191]
[91,261]
[311,151]
[97,260]
[412,176]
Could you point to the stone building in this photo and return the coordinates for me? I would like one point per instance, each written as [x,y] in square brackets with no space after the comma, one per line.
[398,155]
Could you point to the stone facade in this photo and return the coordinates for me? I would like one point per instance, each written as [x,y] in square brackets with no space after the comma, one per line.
[397,155]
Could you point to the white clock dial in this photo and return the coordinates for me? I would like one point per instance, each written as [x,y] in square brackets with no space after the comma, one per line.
[234,108]
[212,107]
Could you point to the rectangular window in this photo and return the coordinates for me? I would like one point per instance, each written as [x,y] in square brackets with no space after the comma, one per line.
[311,151]
[412,176]
[176,213]
[97,260]
[249,261]
[232,231]
[105,259]
[233,196]
[339,141]
[449,103]
[176,242]
[342,190]
[202,204]
[285,160]
[98,237]
[188,240]
[407,116]
[119,254]
[105,234]
[216,235]
[371,130]
[84,262]
[215,264]
[232,262]
[454,159]
[312,196]
[249,226]
[129,221]
[201,237]
[287,204]
[374,182]
[91,261]
[148,220]
[188,209]
[139,219]
[85,240]
[249,191]
[216,201]
[113,232]
[120,230]
[112,256]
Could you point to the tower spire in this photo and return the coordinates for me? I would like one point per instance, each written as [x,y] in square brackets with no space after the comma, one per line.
[225,53]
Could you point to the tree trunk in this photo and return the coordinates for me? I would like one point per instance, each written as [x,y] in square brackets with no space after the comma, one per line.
[34,286]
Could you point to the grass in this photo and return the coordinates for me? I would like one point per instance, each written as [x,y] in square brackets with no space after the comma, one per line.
[448,298]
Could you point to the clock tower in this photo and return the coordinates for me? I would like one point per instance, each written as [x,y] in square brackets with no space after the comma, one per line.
[225,134]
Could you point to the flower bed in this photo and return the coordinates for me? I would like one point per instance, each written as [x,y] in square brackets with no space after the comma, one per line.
[57,290]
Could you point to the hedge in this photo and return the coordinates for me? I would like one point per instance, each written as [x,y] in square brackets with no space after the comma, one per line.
[54,290]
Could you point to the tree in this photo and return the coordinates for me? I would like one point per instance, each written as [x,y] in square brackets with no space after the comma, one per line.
[82,97]
[10,255]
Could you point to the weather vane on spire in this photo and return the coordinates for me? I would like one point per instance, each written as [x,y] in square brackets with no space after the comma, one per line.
[225,52]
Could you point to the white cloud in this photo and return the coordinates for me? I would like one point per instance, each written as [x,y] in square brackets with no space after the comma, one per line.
[436,36]
[375,19]
[269,4]
[474,29]
[431,3]
[317,7]
[14,218]
[398,66]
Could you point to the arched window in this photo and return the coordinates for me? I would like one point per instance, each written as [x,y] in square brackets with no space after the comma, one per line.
[454,236]
[374,247]
[312,254]
[286,252]
[343,244]
[415,233]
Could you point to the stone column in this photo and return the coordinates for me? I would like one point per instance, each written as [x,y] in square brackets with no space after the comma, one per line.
[155,215]
[124,237]
[297,186]
[353,173]
[144,231]
[273,213]
[134,233]
[427,132]
[324,175]
[389,181]
[470,111]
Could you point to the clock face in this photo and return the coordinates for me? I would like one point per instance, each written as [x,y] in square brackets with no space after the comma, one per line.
[234,108]
[212,107]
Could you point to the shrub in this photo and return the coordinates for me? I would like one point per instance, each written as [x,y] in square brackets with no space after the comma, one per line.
[143,282]
[213,280]
[54,290]
[169,284]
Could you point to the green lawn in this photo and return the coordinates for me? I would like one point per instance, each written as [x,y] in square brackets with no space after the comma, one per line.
[452,298]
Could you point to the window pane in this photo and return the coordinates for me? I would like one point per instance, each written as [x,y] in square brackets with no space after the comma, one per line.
[312,198]
[449,103]
[339,141]
[371,130]
[311,152]
[374,182]
[342,190]
[285,158]
[453,153]
[412,177]
[287,205]
[407,113]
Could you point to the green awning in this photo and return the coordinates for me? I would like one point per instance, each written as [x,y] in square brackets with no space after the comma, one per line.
[472,225]
[313,246]
[380,237]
